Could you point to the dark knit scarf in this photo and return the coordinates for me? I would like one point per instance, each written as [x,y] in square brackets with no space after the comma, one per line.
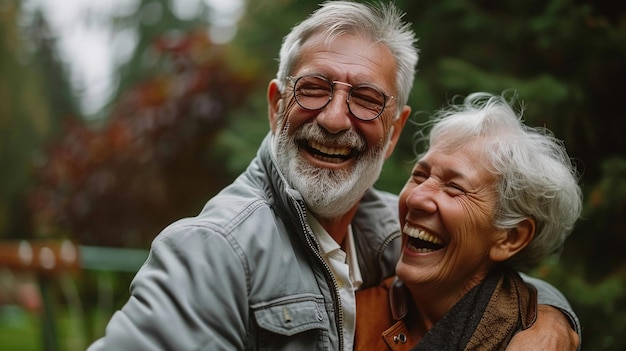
[487,317]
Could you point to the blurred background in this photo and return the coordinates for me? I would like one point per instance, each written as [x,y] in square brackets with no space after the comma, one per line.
[119,117]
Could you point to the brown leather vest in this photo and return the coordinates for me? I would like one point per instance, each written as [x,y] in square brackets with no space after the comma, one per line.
[381,311]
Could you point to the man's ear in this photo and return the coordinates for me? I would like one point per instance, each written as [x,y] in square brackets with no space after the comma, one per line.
[513,241]
[396,128]
[274,103]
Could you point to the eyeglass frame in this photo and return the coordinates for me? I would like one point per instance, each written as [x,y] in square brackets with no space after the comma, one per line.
[331,83]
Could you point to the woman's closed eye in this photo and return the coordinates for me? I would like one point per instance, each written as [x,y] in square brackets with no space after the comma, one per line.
[455,189]
[419,177]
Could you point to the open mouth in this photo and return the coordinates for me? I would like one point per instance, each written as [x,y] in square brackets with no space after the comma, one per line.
[419,240]
[327,153]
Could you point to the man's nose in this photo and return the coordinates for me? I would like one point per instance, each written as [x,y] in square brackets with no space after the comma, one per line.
[336,116]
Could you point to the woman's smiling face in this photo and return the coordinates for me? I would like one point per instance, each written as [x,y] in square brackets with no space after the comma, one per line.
[446,211]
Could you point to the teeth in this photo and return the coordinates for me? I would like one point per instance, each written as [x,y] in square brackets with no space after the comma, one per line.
[421,234]
[339,151]
[422,250]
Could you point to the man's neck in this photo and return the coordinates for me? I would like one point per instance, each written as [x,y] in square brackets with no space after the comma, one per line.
[338,227]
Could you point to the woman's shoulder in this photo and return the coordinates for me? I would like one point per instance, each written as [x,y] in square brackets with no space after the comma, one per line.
[376,326]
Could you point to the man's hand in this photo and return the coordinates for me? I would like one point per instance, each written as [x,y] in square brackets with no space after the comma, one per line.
[551,331]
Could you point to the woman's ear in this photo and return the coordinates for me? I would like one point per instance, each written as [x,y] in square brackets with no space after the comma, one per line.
[274,103]
[513,241]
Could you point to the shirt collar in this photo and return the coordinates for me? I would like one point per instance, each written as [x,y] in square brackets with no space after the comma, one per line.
[328,245]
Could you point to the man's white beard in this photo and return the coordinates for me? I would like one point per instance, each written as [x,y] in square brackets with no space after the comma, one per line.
[328,193]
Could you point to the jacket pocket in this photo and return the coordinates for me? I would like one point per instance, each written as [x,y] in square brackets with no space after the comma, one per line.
[297,322]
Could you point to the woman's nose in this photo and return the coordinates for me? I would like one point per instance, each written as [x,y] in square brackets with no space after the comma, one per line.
[422,197]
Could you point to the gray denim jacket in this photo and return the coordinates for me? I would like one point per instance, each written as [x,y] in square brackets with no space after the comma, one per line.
[246,273]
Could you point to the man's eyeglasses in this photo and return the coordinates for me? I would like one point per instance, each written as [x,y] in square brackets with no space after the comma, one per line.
[314,92]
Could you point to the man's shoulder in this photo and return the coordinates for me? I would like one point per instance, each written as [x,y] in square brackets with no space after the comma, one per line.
[380,197]
[383,194]
[378,210]
[226,216]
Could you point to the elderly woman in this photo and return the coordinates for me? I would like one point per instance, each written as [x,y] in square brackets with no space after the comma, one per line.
[489,196]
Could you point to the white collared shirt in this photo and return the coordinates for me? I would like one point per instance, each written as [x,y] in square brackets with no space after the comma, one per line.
[345,268]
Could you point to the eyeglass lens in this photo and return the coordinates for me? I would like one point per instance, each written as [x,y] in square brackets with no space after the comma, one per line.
[313,93]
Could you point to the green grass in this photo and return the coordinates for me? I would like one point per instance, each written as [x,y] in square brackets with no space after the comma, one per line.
[19,330]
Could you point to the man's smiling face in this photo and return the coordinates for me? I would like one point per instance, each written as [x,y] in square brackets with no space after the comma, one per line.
[329,155]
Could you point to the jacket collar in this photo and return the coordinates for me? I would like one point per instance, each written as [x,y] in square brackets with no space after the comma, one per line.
[375,225]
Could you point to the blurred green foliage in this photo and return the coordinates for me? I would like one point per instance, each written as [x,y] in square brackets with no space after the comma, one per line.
[32,104]
[565,59]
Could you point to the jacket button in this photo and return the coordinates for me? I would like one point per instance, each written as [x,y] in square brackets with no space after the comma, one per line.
[286,315]
[400,338]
